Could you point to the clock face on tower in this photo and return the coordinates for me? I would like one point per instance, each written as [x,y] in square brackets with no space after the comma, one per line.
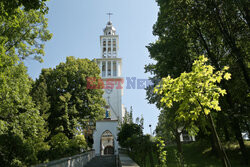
[108,91]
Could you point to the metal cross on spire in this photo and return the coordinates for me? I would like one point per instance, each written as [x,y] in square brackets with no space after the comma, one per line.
[109,15]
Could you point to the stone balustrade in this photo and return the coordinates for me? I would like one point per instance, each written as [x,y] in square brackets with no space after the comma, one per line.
[75,161]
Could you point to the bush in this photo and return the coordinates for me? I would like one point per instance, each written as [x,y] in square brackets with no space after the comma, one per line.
[78,144]
[62,146]
[59,146]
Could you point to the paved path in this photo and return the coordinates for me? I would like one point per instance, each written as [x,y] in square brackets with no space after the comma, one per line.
[126,161]
[102,161]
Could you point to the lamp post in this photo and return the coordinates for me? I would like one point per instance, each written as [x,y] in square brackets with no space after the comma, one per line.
[150,129]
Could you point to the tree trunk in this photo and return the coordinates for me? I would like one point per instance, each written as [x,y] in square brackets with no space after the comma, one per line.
[213,145]
[231,42]
[247,127]
[151,158]
[236,128]
[221,150]
[144,161]
[240,63]
[227,136]
[179,147]
[237,131]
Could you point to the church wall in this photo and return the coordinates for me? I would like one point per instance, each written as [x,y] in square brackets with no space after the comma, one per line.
[102,126]
[114,98]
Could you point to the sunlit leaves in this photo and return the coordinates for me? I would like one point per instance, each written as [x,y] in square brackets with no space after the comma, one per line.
[24,33]
[161,148]
[196,91]
[227,76]
[20,121]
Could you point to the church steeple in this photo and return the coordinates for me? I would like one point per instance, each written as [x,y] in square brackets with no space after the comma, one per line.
[109,41]
[109,29]
[109,63]
[110,66]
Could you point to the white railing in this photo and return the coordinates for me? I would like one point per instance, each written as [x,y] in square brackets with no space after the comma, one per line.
[75,161]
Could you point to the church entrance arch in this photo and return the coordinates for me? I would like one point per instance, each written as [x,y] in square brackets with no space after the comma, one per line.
[107,143]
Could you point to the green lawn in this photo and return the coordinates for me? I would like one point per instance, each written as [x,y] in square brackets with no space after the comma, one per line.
[199,155]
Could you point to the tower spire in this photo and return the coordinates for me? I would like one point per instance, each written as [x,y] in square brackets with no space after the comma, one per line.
[109,14]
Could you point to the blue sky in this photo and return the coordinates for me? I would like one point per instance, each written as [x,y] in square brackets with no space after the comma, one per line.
[76,26]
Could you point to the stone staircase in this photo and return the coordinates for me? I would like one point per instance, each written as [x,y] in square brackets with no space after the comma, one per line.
[102,161]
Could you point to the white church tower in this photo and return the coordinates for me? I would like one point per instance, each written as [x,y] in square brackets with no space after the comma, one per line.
[105,134]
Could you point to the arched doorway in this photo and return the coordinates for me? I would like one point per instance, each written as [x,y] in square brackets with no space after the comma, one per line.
[108,150]
[107,143]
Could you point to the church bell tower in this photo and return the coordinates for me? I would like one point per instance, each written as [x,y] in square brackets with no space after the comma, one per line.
[110,65]
[105,134]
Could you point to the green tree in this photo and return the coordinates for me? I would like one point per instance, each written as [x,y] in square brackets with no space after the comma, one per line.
[128,116]
[62,146]
[68,100]
[126,132]
[218,29]
[22,130]
[141,147]
[198,93]
[24,33]
[170,128]
[9,6]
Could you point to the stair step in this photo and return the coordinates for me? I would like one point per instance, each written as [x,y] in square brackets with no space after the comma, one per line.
[102,161]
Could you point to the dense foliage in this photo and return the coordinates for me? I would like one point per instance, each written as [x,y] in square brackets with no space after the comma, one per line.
[42,120]
[62,146]
[220,31]
[22,129]
[9,6]
[144,149]
[197,93]
[64,99]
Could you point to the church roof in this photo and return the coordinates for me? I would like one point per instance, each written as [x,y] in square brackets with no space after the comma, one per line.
[109,29]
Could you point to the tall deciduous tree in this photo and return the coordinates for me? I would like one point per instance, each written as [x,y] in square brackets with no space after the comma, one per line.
[24,33]
[218,29]
[198,94]
[9,6]
[22,129]
[68,100]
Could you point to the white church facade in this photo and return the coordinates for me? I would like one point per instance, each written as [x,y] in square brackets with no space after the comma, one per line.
[105,134]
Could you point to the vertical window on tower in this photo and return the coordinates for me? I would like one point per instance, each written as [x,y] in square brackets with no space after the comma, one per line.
[114,45]
[114,68]
[104,47]
[103,69]
[109,46]
[109,68]
[104,43]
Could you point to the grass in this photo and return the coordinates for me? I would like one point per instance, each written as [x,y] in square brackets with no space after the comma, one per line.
[198,154]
